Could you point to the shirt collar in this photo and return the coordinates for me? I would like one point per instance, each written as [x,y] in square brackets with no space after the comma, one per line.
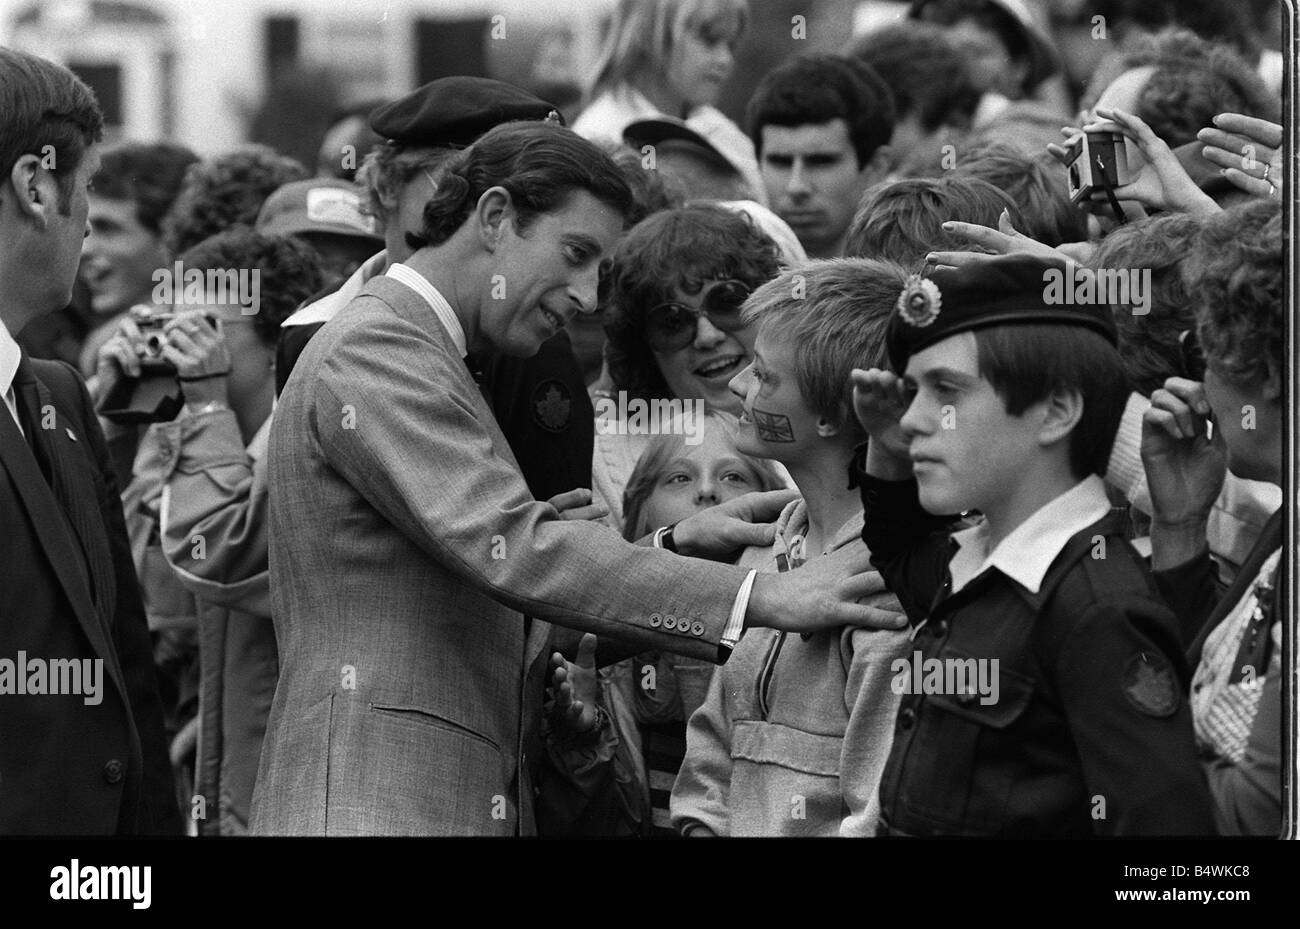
[10,356]
[328,306]
[437,302]
[1029,550]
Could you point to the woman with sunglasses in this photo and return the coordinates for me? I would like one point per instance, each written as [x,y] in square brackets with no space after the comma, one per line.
[672,298]
[1228,419]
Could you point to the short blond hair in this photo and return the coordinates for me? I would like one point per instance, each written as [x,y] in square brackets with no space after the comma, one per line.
[834,313]
[642,34]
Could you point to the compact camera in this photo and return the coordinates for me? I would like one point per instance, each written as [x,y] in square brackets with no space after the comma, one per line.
[155,396]
[1098,161]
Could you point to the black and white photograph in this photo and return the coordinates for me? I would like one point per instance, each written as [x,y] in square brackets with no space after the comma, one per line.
[437,421]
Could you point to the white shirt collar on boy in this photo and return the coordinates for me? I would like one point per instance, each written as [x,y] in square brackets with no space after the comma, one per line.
[441,308]
[1029,549]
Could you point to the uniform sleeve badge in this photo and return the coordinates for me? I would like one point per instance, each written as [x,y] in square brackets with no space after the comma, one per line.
[1150,686]
[552,404]
[920,301]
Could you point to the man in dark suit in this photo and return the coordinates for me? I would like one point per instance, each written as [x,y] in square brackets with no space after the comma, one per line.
[81,749]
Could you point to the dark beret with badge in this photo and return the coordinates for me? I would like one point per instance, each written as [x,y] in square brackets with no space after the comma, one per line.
[1008,289]
[452,112]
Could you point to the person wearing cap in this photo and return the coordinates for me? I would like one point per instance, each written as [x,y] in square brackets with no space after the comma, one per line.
[690,163]
[541,402]
[670,58]
[821,125]
[327,215]
[1047,691]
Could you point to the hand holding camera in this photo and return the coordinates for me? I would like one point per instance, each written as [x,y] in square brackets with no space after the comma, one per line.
[195,345]
[1157,180]
[141,369]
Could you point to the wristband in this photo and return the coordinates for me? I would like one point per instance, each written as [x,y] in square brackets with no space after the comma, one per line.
[202,377]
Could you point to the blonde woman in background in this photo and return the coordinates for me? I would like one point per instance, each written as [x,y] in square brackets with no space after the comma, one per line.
[671,58]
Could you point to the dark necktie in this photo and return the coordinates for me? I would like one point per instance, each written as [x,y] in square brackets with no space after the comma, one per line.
[29,405]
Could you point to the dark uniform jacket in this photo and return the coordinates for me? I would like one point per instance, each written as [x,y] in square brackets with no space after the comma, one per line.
[1091,732]
[68,591]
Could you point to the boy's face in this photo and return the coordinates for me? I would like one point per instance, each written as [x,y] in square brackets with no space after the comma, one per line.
[966,448]
[776,421]
[120,256]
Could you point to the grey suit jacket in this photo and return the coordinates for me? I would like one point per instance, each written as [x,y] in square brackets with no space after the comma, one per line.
[405,547]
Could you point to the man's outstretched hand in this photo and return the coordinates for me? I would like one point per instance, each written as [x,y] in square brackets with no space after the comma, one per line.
[721,531]
[839,589]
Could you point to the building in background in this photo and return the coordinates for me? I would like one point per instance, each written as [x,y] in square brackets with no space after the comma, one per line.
[202,72]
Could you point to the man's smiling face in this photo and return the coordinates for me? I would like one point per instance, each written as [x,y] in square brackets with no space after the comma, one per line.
[546,276]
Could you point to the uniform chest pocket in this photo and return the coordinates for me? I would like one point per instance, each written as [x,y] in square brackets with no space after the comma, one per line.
[964,764]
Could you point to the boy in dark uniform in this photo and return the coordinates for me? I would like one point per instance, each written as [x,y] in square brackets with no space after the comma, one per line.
[1008,404]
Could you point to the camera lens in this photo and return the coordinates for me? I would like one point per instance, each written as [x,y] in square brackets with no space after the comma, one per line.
[153,344]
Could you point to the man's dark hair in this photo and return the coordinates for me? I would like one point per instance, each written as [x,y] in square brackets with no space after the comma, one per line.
[1194,81]
[1034,182]
[903,220]
[149,175]
[687,248]
[1026,362]
[926,72]
[289,269]
[46,110]
[1148,342]
[539,164]
[815,89]
[226,191]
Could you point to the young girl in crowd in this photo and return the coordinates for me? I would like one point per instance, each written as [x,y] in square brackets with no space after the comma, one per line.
[645,701]
[671,58]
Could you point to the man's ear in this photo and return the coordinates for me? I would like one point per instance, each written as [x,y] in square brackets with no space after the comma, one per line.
[495,210]
[33,188]
[1061,413]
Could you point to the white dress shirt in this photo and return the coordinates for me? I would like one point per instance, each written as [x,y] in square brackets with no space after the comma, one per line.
[10,355]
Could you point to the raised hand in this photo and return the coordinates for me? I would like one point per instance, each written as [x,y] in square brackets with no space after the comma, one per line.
[1248,150]
[1004,240]
[577,689]
[1185,467]
[1161,183]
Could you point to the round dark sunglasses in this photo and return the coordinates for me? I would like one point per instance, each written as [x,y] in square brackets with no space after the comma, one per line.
[670,326]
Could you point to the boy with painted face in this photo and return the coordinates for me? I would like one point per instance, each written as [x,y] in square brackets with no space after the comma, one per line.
[794,731]
[1008,404]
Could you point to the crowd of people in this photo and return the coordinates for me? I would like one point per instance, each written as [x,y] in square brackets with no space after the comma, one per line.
[904,461]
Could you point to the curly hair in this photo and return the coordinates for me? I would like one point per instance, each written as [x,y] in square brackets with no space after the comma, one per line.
[226,191]
[1148,342]
[538,164]
[681,248]
[1034,183]
[1234,277]
[1195,80]
[821,88]
[150,175]
[289,271]
[927,72]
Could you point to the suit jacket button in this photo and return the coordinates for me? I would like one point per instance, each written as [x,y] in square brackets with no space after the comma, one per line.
[670,623]
[907,718]
[113,771]
[655,621]
[697,629]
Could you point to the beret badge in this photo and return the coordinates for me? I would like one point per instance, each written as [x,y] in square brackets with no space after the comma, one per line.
[919,302]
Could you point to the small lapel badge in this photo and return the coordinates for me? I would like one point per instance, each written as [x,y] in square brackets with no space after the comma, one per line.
[71,435]
[919,302]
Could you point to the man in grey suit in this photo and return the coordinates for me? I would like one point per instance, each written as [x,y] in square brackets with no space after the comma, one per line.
[406,547]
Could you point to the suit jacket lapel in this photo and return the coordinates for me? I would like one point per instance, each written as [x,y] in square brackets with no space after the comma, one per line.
[52,521]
